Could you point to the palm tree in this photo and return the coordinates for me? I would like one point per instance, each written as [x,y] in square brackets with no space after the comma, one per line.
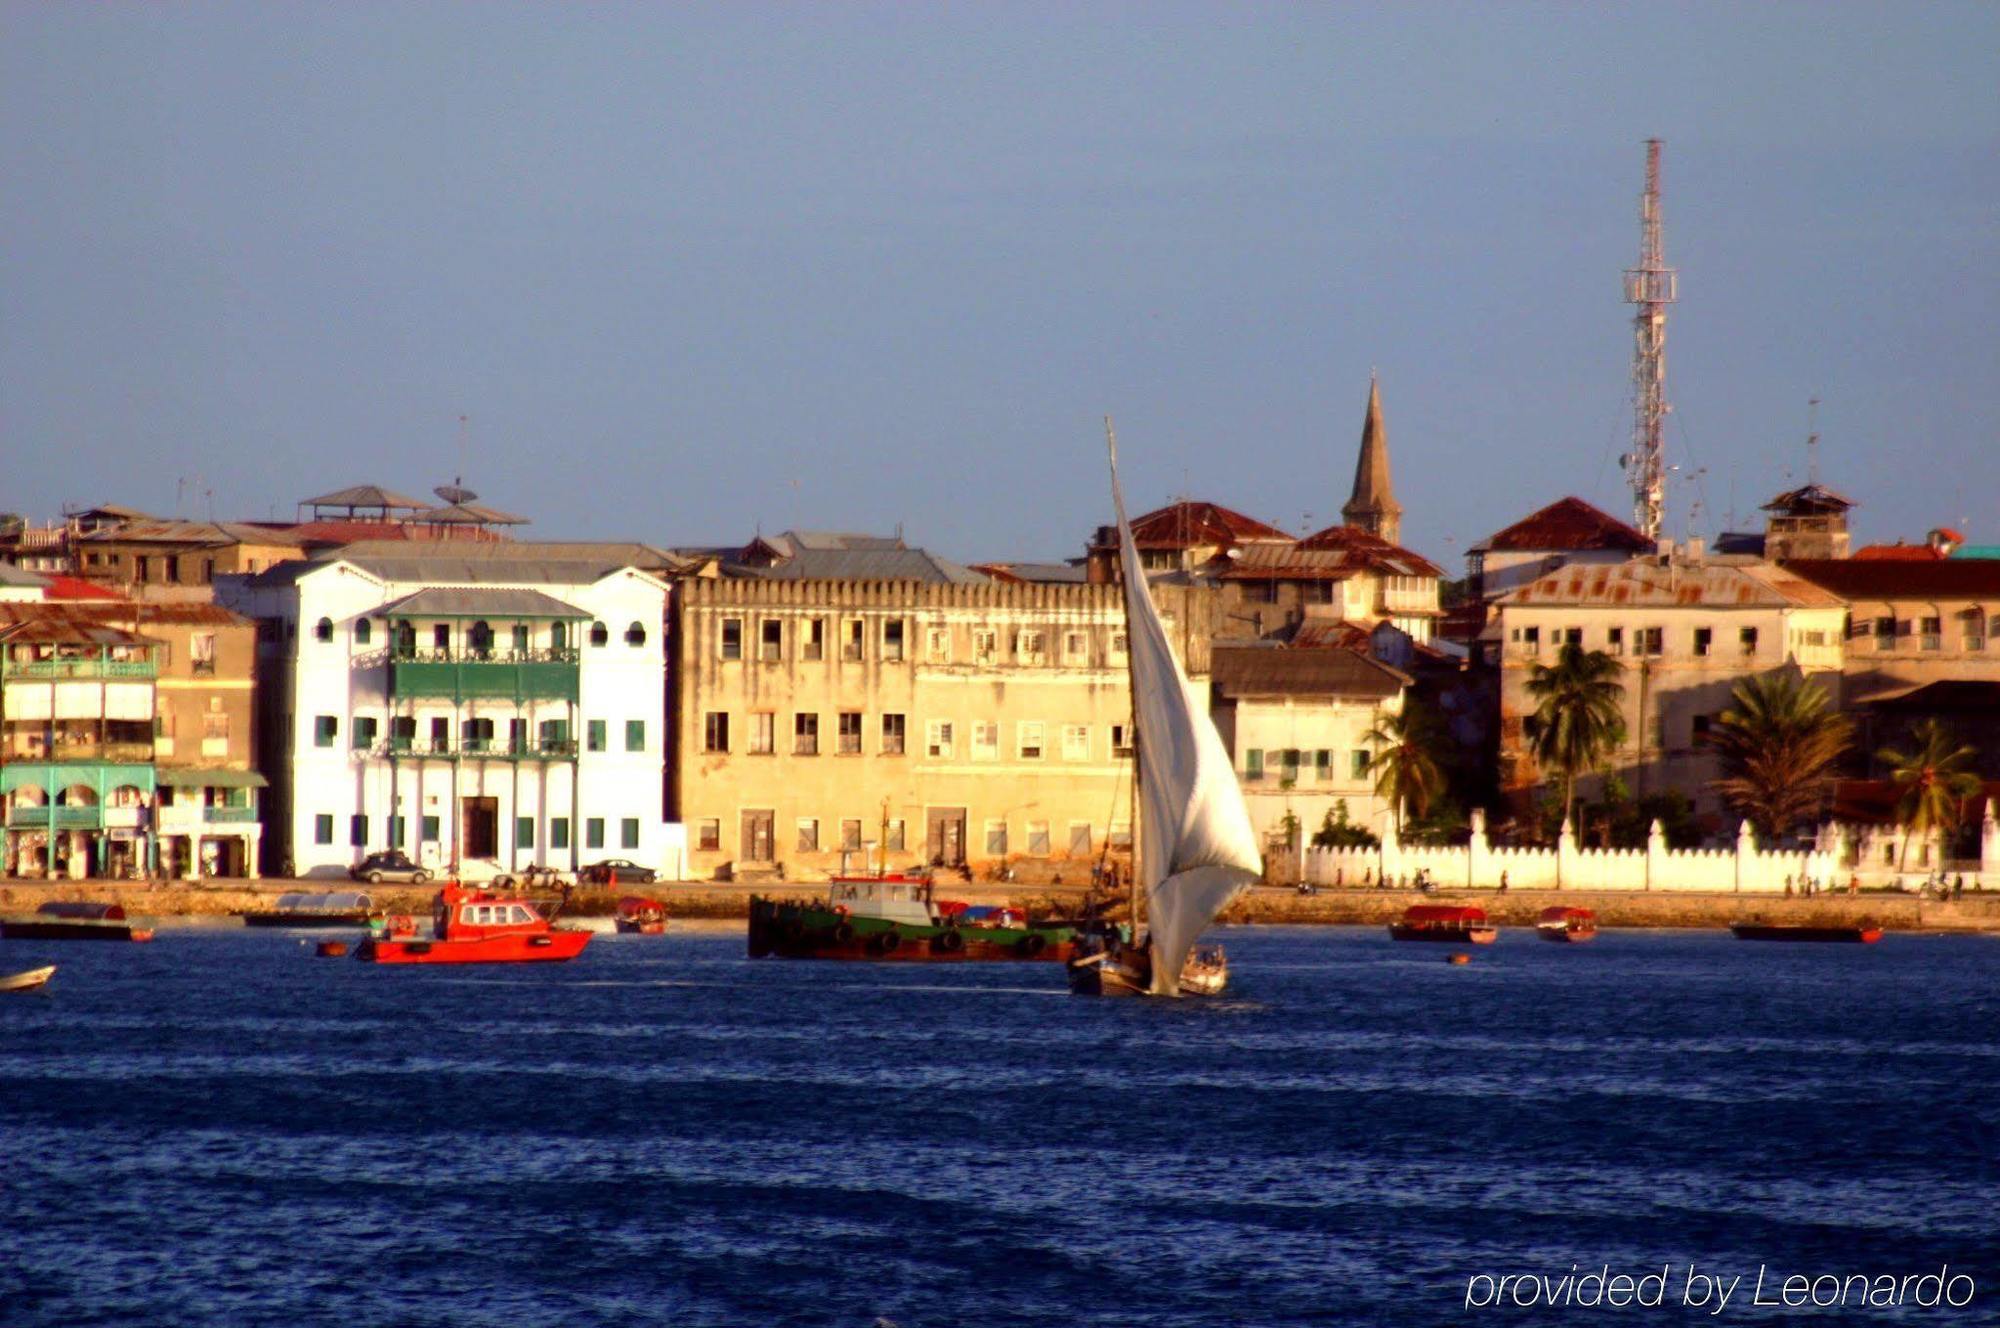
[1406,765]
[1936,779]
[1577,719]
[1779,741]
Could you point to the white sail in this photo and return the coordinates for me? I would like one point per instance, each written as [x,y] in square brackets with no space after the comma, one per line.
[1198,851]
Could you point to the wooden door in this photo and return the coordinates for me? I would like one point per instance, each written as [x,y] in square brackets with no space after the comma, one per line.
[481,820]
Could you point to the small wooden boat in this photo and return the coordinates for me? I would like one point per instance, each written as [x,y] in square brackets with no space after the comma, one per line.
[1567,925]
[28,981]
[1450,924]
[1860,933]
[68,920]
[639,916]
[475,927]
[896,917]
[1127,970]
[331,949]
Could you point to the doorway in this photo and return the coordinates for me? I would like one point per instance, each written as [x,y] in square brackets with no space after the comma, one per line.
[946,837]
[481,822]
[758,835]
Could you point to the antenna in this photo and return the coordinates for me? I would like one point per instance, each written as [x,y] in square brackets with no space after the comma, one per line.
[1812,440]
[1652,286]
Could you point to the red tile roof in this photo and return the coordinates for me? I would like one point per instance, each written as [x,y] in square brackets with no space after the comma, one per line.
[75,587]
[1363,549]
[1904,553]
[1874,578]
[1567,524]
[1188,524]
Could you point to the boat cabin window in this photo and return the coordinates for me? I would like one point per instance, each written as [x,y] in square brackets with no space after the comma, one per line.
[520,914]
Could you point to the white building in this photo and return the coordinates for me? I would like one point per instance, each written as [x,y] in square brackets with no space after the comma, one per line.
[497,706]
[1296,723]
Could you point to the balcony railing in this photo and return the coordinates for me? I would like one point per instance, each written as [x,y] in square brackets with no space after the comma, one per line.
[550,655]
[115,753]
[494,749]
[228,815]
[64,818]
[78,668]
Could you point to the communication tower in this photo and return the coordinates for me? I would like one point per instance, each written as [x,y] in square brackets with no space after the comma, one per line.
[1652,286]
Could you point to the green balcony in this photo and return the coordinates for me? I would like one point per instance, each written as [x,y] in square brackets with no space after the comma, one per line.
[89,668]
[537,675]
[477,749]
[64,818]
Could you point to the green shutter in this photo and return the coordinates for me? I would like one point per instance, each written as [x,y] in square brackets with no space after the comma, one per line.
[628,832]
[635,735]
[595,731]
[593,832]
[559,832]
[524,832]
[323,829]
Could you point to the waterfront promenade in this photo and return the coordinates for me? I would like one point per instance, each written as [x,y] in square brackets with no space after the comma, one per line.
[219,901]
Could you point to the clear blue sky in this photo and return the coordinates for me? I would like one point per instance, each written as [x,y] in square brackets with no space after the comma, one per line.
[695,269]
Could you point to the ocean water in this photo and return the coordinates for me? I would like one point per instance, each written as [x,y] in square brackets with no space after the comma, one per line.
[221,1128]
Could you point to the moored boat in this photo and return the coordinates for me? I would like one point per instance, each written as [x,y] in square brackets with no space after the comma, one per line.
[1567,925]
[1860,933]
[895,916]
[71,920]
[1451,924]
[28,981]
[298,908]
[472,926]
[639,916]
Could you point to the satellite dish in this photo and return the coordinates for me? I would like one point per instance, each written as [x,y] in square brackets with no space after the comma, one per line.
[453,493]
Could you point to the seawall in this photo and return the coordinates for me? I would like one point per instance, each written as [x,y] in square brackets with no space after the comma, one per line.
[220,902]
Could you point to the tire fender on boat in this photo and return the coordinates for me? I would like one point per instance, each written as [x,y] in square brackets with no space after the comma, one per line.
[885,942]
[843,932]
[949,942]
[1032,944]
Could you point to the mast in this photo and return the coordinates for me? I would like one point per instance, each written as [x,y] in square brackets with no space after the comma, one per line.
[1132,699]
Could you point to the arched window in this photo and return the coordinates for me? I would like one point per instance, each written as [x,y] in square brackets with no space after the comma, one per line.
[520,638]
[323,630]
[482,638]
[558,635]
[406,638]
[599,634]
[635,635]
[364,632]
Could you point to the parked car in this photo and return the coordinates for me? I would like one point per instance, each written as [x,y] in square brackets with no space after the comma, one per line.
[390,865]
[625,871]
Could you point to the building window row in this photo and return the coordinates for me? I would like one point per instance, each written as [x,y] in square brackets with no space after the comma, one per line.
[479,638]
[477,733]
[1032,737]
[1027,645]
[430,831]
[1622,641]
[1292,765]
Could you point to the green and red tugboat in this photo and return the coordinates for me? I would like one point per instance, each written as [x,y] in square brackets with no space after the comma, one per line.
[893,917]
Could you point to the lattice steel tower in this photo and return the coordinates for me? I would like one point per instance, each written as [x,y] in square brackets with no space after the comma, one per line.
[1651,286]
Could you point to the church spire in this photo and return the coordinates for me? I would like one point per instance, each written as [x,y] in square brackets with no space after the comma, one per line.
[1374,507]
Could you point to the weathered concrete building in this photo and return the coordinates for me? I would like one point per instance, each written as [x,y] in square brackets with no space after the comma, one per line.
[822,722]
[1686,631]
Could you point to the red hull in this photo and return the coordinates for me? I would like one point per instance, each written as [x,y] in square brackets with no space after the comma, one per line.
[914,951]
[542,947]
[73,931]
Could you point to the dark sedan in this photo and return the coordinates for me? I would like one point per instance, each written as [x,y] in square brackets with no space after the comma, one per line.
[622,870]
[390,866]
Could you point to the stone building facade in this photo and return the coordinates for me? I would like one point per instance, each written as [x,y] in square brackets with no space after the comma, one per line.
[830,724]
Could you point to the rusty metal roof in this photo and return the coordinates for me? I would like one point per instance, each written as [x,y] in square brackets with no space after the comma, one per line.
[1189,524]
[1364,549]
[1647,584]
[1239,671]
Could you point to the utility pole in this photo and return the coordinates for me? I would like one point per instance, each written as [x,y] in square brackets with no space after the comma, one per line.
[1651,286]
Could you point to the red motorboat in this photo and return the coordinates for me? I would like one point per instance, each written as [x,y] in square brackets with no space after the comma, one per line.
[640,916]
[471,926]
[1567,925]
[1449,923]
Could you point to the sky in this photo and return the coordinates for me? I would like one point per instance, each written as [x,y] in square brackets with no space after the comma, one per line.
[690,272]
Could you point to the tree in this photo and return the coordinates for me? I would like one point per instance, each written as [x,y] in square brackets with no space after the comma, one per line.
[1577,719]
[1935,779]
[1406,763]
[1336,831]
[1779,741]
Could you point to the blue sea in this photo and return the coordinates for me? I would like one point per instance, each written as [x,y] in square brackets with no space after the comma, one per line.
[220,1128]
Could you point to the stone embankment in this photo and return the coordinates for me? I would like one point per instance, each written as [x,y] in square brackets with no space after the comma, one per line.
[1271,906]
